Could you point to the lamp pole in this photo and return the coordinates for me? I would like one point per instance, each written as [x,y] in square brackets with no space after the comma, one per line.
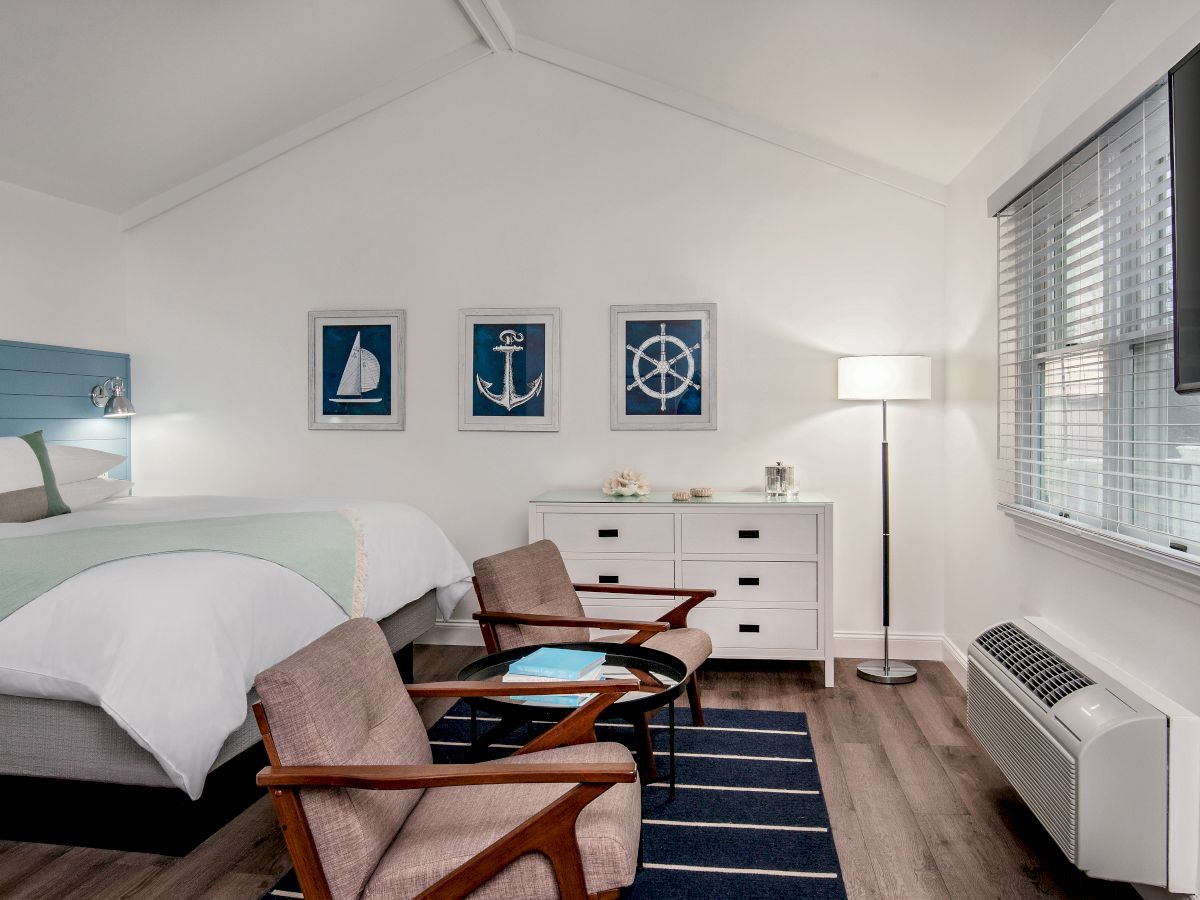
[884,671]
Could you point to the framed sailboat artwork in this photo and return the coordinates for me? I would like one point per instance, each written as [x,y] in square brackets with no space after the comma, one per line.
[356,369]
[509,369]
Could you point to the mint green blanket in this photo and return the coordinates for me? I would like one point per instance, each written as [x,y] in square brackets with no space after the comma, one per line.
[323,547]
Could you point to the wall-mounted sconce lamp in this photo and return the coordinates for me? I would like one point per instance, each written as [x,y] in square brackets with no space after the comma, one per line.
[110,395]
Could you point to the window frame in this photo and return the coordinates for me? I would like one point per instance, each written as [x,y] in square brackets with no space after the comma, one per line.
[1038,335]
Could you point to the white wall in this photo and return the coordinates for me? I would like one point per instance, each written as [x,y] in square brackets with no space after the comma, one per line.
[60,272]
[514,183]
[991,573]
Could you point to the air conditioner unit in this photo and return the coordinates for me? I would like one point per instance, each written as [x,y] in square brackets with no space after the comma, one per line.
[1086,754]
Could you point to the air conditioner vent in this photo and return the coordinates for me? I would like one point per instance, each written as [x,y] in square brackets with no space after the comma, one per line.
[1084,750]
[1047,675]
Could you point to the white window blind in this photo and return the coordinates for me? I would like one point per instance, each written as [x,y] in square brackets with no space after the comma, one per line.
[1090,428]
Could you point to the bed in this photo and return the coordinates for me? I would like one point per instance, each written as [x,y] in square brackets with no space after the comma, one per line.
[137,673]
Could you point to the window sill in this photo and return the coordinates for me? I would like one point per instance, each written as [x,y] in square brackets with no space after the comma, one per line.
[1160,569]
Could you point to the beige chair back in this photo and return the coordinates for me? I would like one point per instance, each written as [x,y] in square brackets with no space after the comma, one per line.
[530,579]
[340,701]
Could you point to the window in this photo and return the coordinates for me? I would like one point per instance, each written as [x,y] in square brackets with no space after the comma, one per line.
[1091,430]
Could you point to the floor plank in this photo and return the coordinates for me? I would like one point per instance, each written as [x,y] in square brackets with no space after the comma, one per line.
[917,807]
[926,786]
[904,865]
[19,861]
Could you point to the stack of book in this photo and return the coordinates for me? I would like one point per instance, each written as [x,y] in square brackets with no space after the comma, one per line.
[556,664]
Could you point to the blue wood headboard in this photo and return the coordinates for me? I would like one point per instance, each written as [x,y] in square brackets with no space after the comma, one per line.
[48,388]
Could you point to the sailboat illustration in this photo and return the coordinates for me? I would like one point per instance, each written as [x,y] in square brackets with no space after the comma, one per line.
[360,376]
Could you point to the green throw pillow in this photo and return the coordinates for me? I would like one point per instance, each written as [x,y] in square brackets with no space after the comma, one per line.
[54,501]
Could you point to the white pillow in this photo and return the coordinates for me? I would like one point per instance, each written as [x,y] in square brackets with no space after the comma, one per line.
[82,494]
[19,467]
[79,463]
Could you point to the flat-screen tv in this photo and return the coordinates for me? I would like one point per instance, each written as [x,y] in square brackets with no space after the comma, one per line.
[1185,204]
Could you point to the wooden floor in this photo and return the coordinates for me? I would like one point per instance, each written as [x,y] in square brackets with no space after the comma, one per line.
[918,810]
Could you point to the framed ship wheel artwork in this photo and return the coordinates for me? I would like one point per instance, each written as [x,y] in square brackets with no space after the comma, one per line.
[664,364]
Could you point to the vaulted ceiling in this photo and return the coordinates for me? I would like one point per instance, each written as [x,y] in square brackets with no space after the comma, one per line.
[135,105]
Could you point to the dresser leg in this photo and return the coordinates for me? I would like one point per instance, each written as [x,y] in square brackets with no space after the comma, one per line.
[693,692]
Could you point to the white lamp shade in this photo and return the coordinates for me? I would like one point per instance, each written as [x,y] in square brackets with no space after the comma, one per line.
[884,378]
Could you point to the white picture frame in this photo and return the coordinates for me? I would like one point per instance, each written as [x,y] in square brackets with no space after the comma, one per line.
[510,371]
[356,363]
[663,367]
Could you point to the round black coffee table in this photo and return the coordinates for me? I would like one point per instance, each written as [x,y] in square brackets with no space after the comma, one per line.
[663,674]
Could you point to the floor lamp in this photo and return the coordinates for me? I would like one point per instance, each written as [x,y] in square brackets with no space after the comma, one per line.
[885,378]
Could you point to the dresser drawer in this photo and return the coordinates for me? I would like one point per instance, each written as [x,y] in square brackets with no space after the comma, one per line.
[644,572]
[750,532]
[625,609]
[611,532]
[754,582]
[758,629]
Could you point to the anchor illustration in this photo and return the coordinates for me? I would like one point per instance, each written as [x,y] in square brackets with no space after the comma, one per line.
[509,398]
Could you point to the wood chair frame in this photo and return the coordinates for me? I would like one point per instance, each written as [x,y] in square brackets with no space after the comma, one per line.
[550,831]
[643,631]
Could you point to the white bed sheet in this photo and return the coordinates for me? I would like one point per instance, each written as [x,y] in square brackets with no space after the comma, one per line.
[169,645]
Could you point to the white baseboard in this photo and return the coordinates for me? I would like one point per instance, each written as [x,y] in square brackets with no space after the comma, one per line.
[901,645]
[955,660]
[454,632]
[852,644]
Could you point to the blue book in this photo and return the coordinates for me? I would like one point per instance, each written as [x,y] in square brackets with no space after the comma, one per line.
[557,699]
[557,663]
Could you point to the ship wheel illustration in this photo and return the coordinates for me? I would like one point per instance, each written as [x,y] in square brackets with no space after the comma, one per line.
[671,381]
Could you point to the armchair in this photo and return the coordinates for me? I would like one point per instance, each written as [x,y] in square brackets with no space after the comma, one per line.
[526,596]
[365,813]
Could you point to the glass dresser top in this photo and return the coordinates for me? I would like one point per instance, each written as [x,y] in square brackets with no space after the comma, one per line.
[718,497]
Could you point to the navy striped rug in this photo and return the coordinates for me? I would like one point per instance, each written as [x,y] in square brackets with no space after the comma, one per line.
[748,819]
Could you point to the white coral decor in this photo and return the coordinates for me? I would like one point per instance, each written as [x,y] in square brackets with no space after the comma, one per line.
[626,483]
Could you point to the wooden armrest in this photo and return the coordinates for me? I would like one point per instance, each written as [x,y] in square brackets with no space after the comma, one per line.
[519,688]
[581,621]
[702,593]
[676,618]
[401,778]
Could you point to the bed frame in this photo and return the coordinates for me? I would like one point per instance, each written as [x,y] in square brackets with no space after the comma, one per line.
[49,388]
[68,766]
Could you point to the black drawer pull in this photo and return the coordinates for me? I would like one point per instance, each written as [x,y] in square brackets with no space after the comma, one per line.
[753,629]
[606,532]
[748,582]
[610,579]
[748,533]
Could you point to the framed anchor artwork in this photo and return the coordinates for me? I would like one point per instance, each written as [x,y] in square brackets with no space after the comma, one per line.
[509,369]
[356,369]
[664,367]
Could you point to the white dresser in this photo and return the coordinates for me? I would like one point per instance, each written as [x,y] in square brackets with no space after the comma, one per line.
[769,561]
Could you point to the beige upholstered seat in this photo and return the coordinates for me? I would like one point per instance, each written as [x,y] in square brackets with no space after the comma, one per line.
[341,701]
[450,825]
[533,579]
[692,645]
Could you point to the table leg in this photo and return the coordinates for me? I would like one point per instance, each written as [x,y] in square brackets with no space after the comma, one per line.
[644,747]
[502,729]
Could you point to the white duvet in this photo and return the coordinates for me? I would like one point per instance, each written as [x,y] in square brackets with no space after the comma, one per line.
[169,645]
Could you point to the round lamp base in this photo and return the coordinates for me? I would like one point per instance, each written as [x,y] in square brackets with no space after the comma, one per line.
[893,673]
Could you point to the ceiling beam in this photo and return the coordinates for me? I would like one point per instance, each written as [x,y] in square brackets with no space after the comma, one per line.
[239,165]
[682,100]
[492,23]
